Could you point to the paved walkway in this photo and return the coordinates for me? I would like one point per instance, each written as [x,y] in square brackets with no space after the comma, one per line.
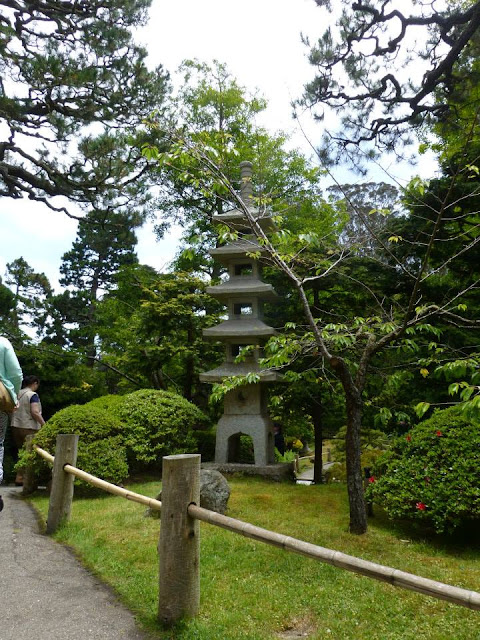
[306,477]
[45,593]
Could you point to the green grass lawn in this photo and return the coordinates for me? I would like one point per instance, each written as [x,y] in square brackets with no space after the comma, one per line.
[251,590]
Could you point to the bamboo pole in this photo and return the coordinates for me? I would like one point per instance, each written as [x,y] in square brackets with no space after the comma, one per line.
[44,454]
[462,597]
[103,484]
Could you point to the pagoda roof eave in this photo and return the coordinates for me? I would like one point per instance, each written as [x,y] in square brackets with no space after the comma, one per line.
[243,287]
[242,327]
[229,369]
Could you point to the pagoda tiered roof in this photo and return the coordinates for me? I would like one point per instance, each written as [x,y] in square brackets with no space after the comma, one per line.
[236,220]
[243,286]
[236,250]
[227,369]
[238,328]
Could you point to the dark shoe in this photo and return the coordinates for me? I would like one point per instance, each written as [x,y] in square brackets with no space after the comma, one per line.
[1,503]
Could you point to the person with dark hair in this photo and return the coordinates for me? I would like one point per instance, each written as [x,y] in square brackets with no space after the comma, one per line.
[11,376]
[27,419]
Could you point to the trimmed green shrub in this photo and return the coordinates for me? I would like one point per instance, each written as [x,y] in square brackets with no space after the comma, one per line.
[108,458]
[368,459]
[156,424]
[431,475]
[373,444]
[100,448]
[119,434]
[370,440]
[110,403]
[245,451]
[89,422]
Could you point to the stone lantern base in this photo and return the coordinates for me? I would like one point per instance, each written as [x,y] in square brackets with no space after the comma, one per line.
[258,427]
[277,472]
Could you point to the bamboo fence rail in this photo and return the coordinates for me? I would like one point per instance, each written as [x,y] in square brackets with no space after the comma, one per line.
[439,590]
[463,597]
[102,484]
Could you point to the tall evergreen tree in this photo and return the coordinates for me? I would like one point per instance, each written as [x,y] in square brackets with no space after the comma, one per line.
[68,70]
[30,292]
[215,111]
[105,242]
[388,68]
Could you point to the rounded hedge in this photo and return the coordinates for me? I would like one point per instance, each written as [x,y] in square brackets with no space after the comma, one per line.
[110,403]
[101,451]
[157,424]
[121,434]
[431,475]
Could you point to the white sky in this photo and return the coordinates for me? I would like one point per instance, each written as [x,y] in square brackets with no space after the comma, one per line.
[259,40]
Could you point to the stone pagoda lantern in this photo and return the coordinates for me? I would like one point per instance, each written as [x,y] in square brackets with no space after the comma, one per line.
[243,293]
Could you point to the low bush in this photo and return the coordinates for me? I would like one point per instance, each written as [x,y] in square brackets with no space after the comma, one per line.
[431,475]
[368,459]
[293,444]
[100,448]
[157,424]
[119,435]
[110,403]
[373,444]
[246,454]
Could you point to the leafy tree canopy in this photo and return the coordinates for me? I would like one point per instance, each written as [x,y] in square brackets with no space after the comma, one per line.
[216,113]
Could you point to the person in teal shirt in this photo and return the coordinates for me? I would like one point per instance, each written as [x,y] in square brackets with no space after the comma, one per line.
[11,376]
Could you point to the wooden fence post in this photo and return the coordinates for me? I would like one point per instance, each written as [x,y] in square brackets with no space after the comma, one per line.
[62,483]
[29,483]
[179,544]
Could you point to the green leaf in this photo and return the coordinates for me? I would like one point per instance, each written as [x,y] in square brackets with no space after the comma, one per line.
[422,408]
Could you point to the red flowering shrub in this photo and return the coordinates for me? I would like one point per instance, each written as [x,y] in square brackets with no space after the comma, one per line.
[433,474]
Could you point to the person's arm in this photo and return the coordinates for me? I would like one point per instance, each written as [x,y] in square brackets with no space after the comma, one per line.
[36,413]
[13,370]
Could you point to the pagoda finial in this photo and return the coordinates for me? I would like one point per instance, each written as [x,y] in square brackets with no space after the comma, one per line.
[246,189]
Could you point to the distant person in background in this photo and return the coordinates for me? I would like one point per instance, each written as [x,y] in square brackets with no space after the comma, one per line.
[11,376]
[27,419]
[279,439]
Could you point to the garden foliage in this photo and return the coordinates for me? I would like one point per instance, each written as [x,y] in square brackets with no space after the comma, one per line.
[373,444]
[121,434]
[431,475]
[101,449]
[158,423]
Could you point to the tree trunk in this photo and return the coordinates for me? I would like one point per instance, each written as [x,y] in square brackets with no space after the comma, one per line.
[358,513]
[354,406]
[317,420]
[91,349]
[189,364]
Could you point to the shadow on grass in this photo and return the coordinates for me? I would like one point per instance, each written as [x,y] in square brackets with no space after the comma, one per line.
[463,541]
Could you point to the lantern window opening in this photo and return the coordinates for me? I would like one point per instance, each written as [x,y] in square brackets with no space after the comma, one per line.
[243,309]
[244,269]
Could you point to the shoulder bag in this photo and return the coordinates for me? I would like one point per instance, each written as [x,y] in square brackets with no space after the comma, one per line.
[6,403]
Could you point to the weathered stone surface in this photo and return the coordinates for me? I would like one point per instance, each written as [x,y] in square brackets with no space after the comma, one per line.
[214,490]
[278,472]
[214,493]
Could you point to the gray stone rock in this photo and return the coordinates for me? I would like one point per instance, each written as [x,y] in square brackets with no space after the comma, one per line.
[214,493]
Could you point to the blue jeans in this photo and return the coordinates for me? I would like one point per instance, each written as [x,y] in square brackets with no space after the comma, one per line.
[3,431]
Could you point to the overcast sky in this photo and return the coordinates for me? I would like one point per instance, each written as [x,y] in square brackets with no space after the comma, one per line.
[260,42]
